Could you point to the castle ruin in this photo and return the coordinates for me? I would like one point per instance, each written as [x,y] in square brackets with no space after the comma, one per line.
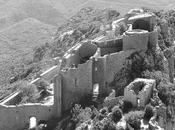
[84,66]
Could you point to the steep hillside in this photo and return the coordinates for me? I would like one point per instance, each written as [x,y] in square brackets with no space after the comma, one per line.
[85,25]
[26,24]
[149,64]
[18,41]
[18,59]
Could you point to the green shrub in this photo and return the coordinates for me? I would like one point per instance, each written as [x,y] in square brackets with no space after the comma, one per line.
[116,114]
[159,76]
[29,93]
[163,84]
[148,113]
[80,115]
[109,126]
[127,106]
[133,119]
[42,85]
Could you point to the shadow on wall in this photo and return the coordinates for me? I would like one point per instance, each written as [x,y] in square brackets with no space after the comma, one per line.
[86,50]
[141,24]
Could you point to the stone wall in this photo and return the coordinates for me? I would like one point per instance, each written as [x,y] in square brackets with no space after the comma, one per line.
[78,71]
[135,39]
[110,46]
[47,75]
[141,20]
[114,63]
[78,54]
[144,94]
[16,118]
[76,83]
[130,96]
[105,68]
[153,39]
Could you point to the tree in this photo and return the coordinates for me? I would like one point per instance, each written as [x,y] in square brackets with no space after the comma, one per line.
[116,114]
[148,113]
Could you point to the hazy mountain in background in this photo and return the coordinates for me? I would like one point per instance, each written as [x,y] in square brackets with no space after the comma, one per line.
[18,41]
[56,12]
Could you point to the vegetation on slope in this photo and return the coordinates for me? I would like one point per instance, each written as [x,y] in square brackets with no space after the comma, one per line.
[24,64]
[86,25]
[149,64]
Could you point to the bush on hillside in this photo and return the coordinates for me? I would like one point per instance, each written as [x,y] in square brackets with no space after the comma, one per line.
[163,84]
[133,119]
[29,93]
[148,112]
[127,106]
[116,114]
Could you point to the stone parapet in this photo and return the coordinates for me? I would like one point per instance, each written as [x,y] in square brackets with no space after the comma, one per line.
[135,39]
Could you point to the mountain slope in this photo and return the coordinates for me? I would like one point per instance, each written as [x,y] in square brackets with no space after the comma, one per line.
[14,11]
[18,41]
[56,12]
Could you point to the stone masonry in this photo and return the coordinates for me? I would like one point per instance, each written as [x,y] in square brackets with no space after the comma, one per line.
[139,91]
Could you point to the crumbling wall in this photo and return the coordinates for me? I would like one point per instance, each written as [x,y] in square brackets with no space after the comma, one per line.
[15,118]
[144,21]
[131,97]
[47,75]
[78,54]
[144,95]
[110,46]
[105,68]
[72,59]
[76,83]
